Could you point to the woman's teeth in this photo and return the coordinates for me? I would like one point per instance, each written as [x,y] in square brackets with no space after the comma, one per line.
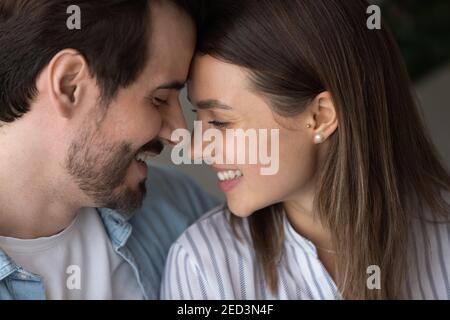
[229,175]
[144,156]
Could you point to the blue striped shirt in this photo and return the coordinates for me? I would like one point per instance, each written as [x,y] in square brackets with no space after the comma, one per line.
[208,262]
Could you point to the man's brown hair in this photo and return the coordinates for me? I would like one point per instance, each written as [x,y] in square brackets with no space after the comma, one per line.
[112,39]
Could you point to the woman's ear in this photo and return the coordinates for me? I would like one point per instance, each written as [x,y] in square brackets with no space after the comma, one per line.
[323,116]
[67,77]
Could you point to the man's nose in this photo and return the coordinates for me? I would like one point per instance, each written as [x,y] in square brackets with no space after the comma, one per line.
[172,119]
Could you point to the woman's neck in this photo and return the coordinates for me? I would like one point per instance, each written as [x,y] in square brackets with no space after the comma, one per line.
[306,222]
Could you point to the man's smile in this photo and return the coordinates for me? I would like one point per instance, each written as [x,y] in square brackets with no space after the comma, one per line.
[146,153]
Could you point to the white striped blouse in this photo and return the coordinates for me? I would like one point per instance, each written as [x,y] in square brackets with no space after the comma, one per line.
[209,263]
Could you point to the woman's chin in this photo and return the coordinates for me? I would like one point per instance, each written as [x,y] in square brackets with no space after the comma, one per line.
[244,209]
[241,210]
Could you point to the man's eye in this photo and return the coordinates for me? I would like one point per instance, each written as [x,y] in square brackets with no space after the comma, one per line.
[159,102]
[218,124]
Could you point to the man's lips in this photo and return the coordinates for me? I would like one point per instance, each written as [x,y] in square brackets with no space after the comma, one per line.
[147,152]
[155,147]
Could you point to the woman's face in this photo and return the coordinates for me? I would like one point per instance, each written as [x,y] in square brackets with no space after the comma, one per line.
[223,98]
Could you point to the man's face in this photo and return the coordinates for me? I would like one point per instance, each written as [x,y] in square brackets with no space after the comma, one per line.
[103,155]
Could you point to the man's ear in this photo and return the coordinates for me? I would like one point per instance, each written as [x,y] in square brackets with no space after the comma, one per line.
[324,117]
[66,80]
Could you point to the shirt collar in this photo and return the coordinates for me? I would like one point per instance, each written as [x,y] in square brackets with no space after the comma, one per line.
[7,266]
[117,227]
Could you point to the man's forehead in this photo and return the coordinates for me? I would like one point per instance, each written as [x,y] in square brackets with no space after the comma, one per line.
[168,19]
[163,73]
[171,45]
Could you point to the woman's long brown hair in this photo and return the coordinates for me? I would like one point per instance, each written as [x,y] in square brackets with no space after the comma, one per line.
[381,168]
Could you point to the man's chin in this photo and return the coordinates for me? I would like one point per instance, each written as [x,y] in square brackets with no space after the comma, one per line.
[128,200]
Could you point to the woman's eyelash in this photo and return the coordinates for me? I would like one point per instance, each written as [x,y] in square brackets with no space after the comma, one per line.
[214,123]
[218,124]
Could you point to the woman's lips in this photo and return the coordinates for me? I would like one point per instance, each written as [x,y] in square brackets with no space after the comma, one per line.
[228,179]
[229,185]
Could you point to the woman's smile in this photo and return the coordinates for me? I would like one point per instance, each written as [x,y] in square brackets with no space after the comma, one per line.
[228,179]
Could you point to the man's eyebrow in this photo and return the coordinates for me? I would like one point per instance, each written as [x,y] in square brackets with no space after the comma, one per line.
[212,104]
[174,85]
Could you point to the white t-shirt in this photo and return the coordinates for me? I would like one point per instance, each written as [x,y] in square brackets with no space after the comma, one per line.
[78,263]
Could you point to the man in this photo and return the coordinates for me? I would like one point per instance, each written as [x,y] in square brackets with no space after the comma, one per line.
[80,111]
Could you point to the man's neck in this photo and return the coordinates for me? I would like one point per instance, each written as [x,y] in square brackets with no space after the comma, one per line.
[25,217]
[29,206]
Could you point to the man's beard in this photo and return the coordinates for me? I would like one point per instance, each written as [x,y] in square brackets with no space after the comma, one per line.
[100,168]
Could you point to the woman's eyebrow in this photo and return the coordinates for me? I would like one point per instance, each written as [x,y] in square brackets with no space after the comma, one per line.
[212,104]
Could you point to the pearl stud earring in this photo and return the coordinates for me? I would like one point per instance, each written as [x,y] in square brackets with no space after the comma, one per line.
[308,126]
[318,138]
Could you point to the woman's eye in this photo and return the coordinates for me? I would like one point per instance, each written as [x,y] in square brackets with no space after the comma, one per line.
[218,124]
[215,123]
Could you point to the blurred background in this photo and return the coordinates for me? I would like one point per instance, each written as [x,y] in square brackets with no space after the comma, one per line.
[422,29]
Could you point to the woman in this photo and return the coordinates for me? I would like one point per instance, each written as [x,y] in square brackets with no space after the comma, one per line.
[360,206]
